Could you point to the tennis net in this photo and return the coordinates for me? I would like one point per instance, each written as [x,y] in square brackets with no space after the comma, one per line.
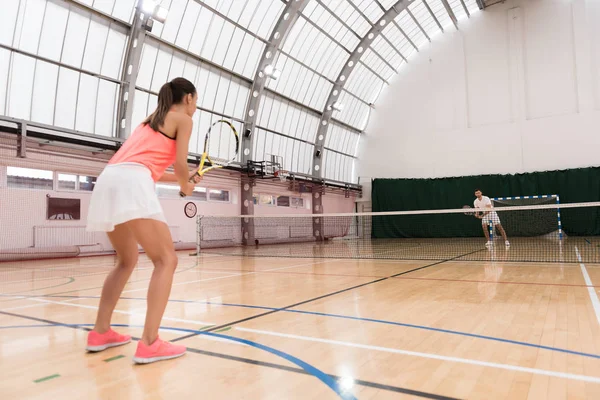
[536,233]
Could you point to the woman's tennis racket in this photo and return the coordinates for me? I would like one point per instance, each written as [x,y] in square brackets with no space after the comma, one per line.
[205,159]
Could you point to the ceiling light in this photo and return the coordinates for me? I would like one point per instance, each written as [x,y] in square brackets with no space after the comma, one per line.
[272,72]
[149,6]
[160,15]
[337,106]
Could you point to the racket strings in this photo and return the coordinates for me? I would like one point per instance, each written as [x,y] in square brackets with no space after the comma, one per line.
[227,134]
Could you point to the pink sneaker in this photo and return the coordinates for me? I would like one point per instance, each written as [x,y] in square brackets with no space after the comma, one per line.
[157,351]
[102,341]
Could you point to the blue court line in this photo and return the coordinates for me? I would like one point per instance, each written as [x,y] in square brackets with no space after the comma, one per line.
[25,326]
[377,321]
[317,373]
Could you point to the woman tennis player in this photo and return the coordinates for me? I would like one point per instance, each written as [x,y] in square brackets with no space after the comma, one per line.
[125,205]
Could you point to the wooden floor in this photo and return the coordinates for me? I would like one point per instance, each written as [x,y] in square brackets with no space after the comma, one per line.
[290,328]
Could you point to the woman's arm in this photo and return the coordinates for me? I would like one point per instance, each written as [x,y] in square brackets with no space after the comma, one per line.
[168,177]
[184,132]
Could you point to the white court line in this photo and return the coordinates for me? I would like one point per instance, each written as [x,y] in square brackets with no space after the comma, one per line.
[233,276]
[119,311]
[591,288]
[84,274]
[24,307]
[38,280]
[104,266]
[175,284]
[183,283]
[46,301]
[536,371]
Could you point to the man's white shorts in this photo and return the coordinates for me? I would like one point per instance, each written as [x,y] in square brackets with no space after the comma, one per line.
[490,218]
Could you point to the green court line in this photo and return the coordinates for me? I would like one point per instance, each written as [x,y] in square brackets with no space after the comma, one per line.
[114,358]
[47,378]
[70,280]
[206,327]
[91,288]
[227,328]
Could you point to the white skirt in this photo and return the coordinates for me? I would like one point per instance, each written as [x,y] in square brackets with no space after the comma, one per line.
[123,192]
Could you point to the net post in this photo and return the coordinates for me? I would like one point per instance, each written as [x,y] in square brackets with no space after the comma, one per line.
[491,228]
[198,234]
[247,208]
[560,233]
[317,221]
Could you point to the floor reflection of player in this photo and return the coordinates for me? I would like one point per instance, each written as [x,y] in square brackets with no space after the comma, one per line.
[488,288]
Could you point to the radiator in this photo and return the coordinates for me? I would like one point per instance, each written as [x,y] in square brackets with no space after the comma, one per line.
[53,236]
[59,236]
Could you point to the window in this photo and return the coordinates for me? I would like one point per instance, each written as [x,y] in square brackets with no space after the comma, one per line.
[75,182]
[199,194]
[283,201]
[279,201]
[266,200]
[67,182]
[27,178]
[87,183]
[172,191]
[297,202]
[218,195]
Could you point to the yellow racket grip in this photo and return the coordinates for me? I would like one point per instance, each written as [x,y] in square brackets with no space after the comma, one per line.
[198,172]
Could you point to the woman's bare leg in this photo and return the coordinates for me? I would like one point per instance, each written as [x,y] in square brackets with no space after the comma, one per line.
[124,243]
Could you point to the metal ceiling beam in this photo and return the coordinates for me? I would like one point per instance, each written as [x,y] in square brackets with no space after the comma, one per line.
[359,11]
[281,29]
[388,41]
[98,13]
[267,43]
[465,8]
[406,36]
[283,134]
[353,59]
[59,64]
[450,13]
[334,40]
[129,71]
[187,52]
[231,21]
[393,46]
[418,24]
[481,4]
[233,74]
[433,16]
[341,21]
[287,19]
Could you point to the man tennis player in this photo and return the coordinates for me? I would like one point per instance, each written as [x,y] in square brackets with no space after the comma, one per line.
[488,217]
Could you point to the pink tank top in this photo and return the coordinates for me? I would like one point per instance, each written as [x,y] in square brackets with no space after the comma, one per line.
[145,146]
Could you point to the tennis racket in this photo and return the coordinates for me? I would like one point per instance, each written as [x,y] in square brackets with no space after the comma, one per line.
[468,210]
[206,160]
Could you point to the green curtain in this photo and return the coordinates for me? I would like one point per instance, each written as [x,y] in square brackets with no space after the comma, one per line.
[573,186]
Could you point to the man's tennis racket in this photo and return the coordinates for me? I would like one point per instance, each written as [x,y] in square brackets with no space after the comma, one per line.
[205,159]
[468,210]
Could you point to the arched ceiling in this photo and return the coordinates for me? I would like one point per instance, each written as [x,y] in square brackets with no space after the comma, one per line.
[64,63]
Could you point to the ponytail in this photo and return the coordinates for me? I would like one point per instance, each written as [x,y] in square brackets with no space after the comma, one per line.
[170,93]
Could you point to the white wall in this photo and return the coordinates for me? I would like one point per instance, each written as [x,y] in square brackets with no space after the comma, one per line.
[517,89]
[22,210]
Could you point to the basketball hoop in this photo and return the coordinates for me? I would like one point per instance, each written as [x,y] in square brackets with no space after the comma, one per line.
[281,174]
